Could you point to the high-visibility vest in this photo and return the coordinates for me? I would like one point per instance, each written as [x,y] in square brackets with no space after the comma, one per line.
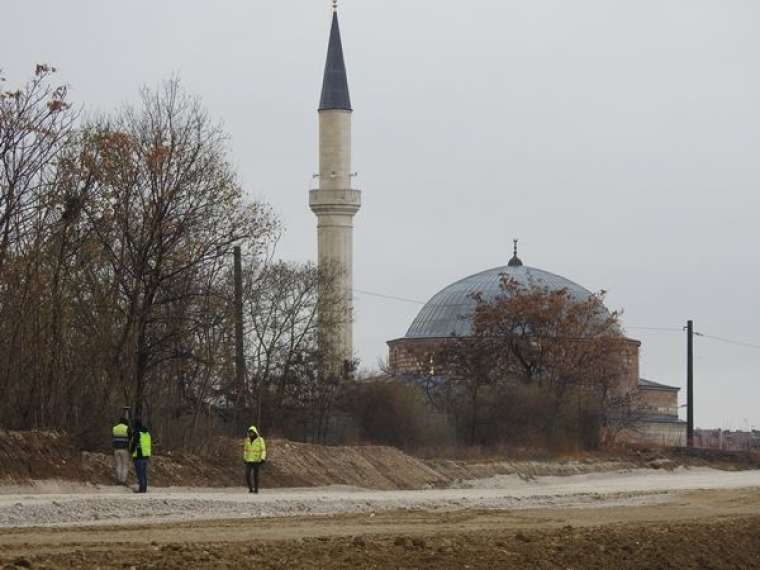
[144,445]
[120,436]
[254,451]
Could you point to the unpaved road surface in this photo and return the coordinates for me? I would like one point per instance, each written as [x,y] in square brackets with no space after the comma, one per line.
[113,505]
[640,519]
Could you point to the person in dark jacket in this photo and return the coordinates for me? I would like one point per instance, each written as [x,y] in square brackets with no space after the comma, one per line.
[120,436]
[140,447]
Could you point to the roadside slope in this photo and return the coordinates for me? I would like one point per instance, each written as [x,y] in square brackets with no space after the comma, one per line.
[29,458]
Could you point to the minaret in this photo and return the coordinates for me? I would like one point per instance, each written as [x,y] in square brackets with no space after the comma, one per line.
[335,205]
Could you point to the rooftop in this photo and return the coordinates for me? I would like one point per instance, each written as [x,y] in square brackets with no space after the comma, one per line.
[449,312]
[651,385]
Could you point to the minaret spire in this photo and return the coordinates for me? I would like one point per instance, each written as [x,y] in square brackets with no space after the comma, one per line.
[335,83]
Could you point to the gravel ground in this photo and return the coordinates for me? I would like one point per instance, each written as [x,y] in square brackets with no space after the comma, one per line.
[108,505]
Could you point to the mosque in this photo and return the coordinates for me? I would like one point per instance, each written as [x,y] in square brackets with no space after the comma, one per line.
[445,315]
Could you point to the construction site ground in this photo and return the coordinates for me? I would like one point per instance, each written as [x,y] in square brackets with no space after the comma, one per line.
[374,507]
[691,529]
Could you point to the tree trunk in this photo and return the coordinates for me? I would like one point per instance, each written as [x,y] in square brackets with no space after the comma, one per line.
[474,414]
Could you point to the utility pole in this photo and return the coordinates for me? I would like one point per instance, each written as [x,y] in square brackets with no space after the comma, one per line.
[239,354]
[690,383]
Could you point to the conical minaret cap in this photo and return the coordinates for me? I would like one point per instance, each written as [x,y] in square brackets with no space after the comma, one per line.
[335,83]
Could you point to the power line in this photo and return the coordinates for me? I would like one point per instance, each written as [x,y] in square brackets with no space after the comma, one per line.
[729,341]
[390,297]
[662,329]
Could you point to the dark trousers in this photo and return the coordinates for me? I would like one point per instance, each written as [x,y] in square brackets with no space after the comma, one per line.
[252,469]
[141,469]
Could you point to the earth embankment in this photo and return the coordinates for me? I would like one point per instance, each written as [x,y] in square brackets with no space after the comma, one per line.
[29,458]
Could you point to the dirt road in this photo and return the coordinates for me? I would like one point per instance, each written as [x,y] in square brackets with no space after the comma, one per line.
[110,505]
[696,529]
[681,519]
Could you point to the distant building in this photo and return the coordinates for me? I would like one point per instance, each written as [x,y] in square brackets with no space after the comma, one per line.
[659,423]
[447,314]
[727,439]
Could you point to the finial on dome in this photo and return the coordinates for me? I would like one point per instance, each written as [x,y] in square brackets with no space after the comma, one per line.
[335,5]
[515,261]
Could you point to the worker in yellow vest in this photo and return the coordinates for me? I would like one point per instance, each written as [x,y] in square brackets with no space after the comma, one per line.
[120,442]
[254,455]
[140,447]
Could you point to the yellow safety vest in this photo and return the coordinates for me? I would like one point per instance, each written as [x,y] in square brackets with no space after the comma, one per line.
[120,436]
[145,444]
[254,451]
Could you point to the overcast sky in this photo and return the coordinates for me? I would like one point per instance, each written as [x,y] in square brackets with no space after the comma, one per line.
[620,141]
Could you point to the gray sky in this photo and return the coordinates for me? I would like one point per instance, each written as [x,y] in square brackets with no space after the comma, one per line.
[618,140]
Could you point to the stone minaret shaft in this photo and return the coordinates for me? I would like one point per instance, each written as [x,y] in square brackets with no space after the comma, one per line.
[335,205]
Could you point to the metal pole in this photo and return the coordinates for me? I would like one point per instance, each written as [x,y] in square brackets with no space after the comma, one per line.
[239,354]
[690,383]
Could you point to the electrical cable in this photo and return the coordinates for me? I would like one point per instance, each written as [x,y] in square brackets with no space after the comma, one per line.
[728,340]
[663,329]
[666,329]
[390,297]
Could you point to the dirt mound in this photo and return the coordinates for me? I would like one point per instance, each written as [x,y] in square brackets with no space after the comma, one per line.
[44,456]
[36,456]
[375,467]
[39,456]
[717,458]
[456,471]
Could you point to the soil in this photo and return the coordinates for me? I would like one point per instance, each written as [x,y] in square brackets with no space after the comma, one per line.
[376,507]
[30,457]
[27,457]
[699,529]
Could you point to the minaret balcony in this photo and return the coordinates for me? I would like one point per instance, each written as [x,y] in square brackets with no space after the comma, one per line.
[335,201]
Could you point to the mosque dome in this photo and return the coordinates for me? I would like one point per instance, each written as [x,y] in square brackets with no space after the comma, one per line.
[448,312]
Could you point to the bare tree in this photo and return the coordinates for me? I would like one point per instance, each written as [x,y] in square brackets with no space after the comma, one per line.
[471,369]
[115,258]
[167,204]
[284,348]
[35,123]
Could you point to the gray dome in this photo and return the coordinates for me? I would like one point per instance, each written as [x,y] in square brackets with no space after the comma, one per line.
[448,311]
